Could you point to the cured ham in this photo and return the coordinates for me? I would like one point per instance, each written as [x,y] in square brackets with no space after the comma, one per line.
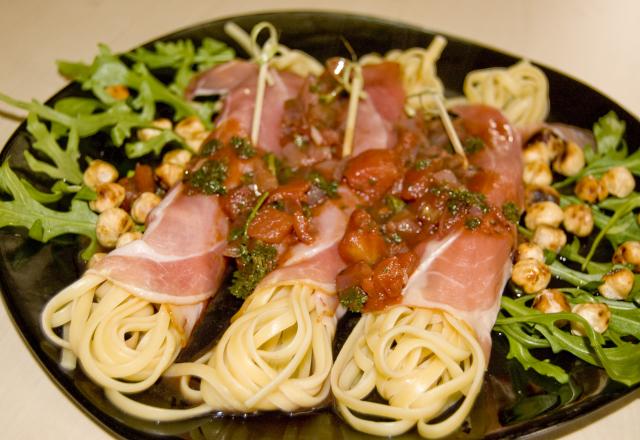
[464,272]
[179,259]
[237,81]
[317,263]
[323,121]
[382,107]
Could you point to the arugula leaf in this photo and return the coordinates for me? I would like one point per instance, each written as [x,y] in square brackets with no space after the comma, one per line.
[65,161]
[154,145]
[621,362]
[608,132]
[182,56]
[119,116]
[58,190]
[44,223]
[574,277]
[572,253]
[611,151]
[212,52]
[519,352]
[618,227]
[624,228]
[108,70]
[626,322]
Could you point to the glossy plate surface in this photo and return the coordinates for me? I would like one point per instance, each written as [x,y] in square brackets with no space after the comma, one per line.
[30,273]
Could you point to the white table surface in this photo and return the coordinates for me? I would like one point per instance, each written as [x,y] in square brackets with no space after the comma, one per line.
[596,41]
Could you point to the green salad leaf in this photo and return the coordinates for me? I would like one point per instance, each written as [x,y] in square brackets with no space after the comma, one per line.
[182,56]
[620,359]
[611,151]
[42,222]
[65,161]
[108,70]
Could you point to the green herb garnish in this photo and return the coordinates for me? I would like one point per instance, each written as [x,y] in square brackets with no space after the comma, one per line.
[459,200]
[421,164]
[329,187]
[209,178]
[472,223]
[255,262]
[210,147]
[353,298]
[243,147]
[511,212]
[473,145]
[300,141]
[394,203]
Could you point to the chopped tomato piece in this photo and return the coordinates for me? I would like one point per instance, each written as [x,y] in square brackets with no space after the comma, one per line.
[238,201]
[302,227]
[353,275]
[372,173]
[295,190]
[362,241]
[271,226]
[389,277]
[416,183]
[143,178]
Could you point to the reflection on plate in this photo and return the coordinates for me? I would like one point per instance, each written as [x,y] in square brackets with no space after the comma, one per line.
[513,402]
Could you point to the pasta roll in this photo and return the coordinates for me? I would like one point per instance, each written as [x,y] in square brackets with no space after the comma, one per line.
[521,91]
[420,361]
[122,342]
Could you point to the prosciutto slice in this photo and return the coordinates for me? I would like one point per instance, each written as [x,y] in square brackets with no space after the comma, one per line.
[317,263]
[382,107]
[179,259]
[238,81]
[464,272]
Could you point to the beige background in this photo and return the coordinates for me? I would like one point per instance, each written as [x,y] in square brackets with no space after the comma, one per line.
[596,41]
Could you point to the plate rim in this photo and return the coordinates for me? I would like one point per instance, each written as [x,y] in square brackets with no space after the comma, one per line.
[594,406]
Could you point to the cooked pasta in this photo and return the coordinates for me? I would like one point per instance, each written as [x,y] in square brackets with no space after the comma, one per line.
[521,91]
[123,343]
[419,75]
[296,61]
[420,361]
[275,355]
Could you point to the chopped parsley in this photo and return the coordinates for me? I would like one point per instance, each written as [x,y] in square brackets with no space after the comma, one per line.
[353,298]
[460,200]
[421,164]
[393,238]
[300,141]
[255,259]
[472,223]
[511,212]
[209,178]
[210,147]
[329,187]
[282,172]
[394,204]
[473,145]
[243,147]
[254,263]
[306,210]
[279,205]
[247,178]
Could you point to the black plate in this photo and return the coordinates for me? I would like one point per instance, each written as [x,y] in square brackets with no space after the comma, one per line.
[30,273]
